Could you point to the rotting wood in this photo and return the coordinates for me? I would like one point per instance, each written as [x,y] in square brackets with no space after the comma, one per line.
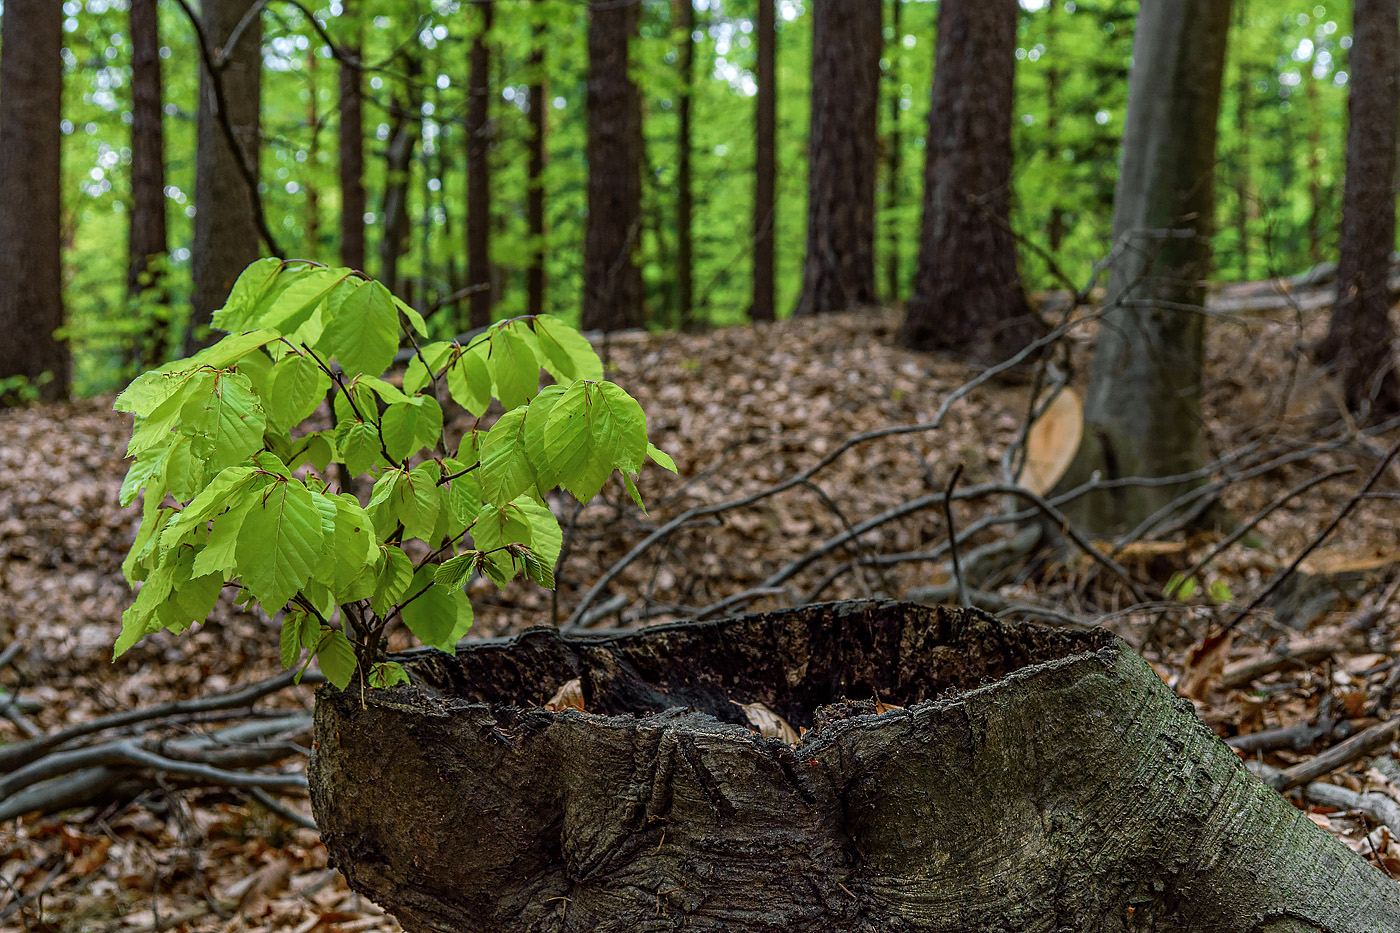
[1035,777]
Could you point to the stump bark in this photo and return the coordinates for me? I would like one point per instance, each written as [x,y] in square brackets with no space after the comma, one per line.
[1033,780]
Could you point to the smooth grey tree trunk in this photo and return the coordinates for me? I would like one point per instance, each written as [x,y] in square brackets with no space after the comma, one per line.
[225,225]
[1143,410]
[1020,779]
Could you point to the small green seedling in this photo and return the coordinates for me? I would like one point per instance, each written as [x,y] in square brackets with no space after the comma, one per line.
[239,483]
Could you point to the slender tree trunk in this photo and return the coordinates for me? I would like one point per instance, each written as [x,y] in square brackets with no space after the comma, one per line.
[1055,227]
[353,202]
[967,295]
[225,224]
[478,172]
[765,202]
[1314,168]
[147,243]
[406,115]
[534,200]
[894,160]
[31,276]
[1360,343]
[311,203]
[839,271]
[1243,195]
[612,281]
[1143,411]
[685,201]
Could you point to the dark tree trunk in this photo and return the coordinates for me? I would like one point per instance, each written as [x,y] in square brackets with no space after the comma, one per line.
[311,197]
[967,295]
[478,173]
[685,201]
[1360,343]
[1143,411]
[765,202]
[1243,194]
[1314,119]
[31,277]
[839,271]
[1055,226]
[534,200]
[894,159]
[352,154]
[147,244]
[612,281]
[956,773]
[225,221]
[406,114]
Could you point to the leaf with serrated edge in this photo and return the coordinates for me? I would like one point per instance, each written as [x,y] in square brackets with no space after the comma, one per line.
[568,354]
[469,380]
[365,330]
[336,659]
[394,576]
[626,445]
[418,375]
[514,368]
[298,388]
[279,543]
[505,468]
[661,458]
[227,424]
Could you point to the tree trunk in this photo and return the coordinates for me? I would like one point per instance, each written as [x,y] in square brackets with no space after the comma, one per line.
[1054,75]
[956,773]
[1315,166]
[1243,96]
[353,202]
[967,295]
[311,190]
[1360,344]
[147,243]
[407,116]
[839,271]
[765,203]
[31,277]
[1143,411]
[685,200]
[225,223]
[478,173]
[894,158]
[534,200]
[612,281]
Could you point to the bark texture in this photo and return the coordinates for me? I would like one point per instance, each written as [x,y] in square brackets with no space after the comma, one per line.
[685,195]
[225,224]
[479,172]
[1143,409]
[839,271]
[398,158]
[612,280]
[353,202]
[894,158]
[765,202]
[31,278]
[1029,780]
[147,243]
[534,202]
[967,296]
[1360,343]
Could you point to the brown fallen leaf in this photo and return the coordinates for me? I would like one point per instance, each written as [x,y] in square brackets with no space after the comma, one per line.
[768,723]
[1205,669]
[569,696]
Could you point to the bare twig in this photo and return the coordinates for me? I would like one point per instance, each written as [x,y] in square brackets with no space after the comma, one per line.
[953,534]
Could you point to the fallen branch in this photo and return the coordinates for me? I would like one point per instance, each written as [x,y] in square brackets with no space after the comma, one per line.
[1339,756]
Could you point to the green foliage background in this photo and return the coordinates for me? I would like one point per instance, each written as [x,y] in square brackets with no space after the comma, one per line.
[1286,76]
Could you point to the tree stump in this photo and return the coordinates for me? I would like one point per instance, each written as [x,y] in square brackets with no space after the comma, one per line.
[956,773]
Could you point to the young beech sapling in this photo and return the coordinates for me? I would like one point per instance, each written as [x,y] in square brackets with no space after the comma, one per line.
[238,490]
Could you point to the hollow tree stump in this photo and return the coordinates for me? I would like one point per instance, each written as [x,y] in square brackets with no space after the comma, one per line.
[1034,780]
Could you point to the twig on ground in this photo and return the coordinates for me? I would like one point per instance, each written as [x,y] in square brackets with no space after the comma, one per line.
[1339,756]
[1317,540]
[953,534]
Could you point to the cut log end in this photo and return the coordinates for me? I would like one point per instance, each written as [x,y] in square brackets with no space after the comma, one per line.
[953,773]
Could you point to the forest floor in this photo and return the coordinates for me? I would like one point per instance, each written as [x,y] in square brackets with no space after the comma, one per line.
[741,410]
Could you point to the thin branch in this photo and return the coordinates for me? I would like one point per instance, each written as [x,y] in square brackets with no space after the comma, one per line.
[953,534]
